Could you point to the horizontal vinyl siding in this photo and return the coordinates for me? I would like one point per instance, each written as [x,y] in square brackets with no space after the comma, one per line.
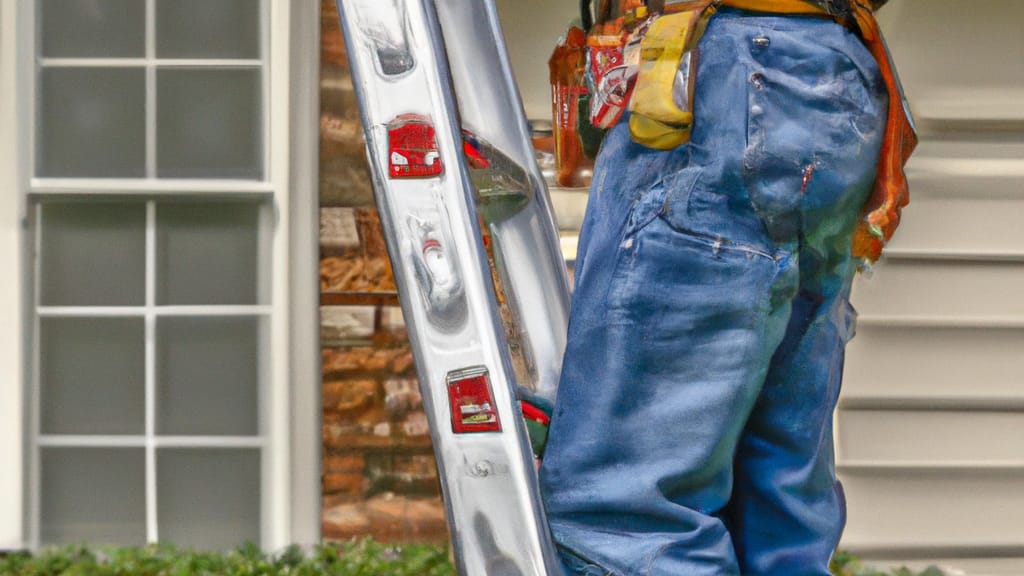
[930,431]
[943,292]
[962,205]
[934,511]
[932,438]
[886,363]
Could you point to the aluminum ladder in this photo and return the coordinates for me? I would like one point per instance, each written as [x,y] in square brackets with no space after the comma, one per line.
[449,151]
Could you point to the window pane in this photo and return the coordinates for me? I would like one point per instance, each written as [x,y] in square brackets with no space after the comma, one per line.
[208,498]
[93,254]
[208,376]
[95,495]
[93,28]
[92,373]
[207,253]
[92,123]
[209,123]
[208,28]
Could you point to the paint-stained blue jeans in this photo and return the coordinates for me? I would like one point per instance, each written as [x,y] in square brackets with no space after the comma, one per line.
[693,429]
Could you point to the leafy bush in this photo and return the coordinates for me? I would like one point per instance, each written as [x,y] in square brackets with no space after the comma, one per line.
[360,558]
[357,558]
[845,564]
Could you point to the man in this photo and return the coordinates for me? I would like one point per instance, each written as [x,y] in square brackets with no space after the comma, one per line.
[693,429]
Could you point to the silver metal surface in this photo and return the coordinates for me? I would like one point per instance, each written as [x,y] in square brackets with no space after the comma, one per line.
[525,237]
[431,224]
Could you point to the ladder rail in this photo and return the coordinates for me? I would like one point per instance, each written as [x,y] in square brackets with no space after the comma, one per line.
[404,86]
[526,242]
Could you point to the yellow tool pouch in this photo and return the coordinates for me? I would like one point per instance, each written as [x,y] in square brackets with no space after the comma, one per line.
[661,107]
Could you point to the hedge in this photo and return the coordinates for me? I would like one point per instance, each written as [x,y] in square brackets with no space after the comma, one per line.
[356,558]
[845,564]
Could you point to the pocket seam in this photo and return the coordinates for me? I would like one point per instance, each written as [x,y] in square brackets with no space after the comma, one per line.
[709,240]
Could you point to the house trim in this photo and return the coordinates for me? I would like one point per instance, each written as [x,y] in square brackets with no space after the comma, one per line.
[305,450]
[277,466]
[12,289]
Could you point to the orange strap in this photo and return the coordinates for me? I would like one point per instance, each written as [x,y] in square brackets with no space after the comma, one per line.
[776,6]
[881,213]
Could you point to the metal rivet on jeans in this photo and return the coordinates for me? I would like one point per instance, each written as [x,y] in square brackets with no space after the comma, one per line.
[762,41]
[757,79]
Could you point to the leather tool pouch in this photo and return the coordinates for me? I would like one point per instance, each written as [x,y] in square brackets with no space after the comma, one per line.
[661,107]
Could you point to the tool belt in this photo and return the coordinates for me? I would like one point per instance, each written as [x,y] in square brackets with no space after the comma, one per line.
[663,52]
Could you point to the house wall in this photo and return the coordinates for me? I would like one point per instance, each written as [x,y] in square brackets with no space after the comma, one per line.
[931,424]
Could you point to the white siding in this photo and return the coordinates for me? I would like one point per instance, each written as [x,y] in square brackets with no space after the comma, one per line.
[531,28]
[931,425]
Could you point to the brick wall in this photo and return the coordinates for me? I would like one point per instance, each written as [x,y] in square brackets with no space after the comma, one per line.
[379,476]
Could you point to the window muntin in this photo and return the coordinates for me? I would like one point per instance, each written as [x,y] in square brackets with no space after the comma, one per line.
[151,89]
[154,231]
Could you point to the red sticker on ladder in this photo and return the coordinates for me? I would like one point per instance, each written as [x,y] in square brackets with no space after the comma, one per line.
[472,402]
[412,148]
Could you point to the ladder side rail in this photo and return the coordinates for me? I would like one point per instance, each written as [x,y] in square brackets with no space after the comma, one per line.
[440,267]
[525,235]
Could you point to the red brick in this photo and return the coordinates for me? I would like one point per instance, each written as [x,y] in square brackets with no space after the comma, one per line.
[401,363]
[345,521]
[378,360]
[356,274]
[425,519]
[371,232]
[402,395]
[347,483]
[349,397]
[398,518]
[348,462]
[333,500]
[416,424]
[345,359]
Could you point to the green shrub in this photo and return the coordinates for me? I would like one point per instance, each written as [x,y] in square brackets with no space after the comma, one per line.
[356,558]
[845,564]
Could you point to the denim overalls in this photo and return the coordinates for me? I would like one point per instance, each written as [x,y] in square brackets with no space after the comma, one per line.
[693,429]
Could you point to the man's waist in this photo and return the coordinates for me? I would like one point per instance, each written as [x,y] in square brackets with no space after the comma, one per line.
[836,8]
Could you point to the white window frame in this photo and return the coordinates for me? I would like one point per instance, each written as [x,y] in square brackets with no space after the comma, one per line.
[289,431]
[12,335]
[306,445]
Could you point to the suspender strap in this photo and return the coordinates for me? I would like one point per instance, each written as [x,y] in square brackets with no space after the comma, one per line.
[881,213]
